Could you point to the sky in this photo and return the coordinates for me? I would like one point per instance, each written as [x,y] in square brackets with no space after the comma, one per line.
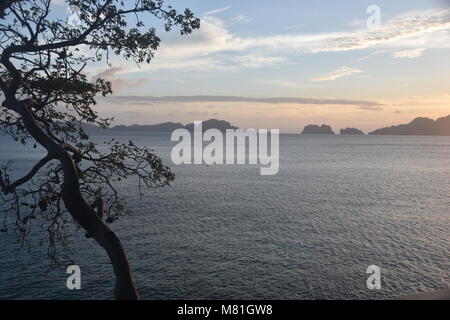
[285,64]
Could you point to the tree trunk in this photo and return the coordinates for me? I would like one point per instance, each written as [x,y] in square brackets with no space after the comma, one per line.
[81,211]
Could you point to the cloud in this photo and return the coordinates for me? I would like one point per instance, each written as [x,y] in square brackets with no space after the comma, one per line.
[210,63]
[241,18]
[339,73]
[215,11]
[214,37]
[215,43]
[400,31]
[257,61]
[371,108]
[270,100]
[280,83]
[359,23]
[118,83]
[166,63]
[202,113]
[413,53]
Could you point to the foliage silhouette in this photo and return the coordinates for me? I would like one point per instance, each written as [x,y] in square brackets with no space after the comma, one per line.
[47,97]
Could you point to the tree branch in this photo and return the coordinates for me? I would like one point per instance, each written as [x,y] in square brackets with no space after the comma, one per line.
[11,187]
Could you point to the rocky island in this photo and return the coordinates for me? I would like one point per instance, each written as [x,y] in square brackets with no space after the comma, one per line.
[164,127]
[315,129]
[420,126]
[351,131]
[212,124]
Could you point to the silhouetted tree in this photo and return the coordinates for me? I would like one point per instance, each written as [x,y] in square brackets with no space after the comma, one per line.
[46,99]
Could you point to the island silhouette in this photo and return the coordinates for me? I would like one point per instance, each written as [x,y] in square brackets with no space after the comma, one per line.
[221,125]
[351,131]
[212,124]
[419,126]
[315,129]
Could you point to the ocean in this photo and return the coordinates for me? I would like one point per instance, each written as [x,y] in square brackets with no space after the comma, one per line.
[337,205]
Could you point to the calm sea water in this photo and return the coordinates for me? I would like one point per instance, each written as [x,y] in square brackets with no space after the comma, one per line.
[337,205]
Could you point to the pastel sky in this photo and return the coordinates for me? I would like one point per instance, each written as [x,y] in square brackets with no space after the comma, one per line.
[285,64]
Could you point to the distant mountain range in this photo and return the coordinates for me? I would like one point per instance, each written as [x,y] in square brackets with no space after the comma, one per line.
[351,131]
[165,127]
[419,126]
[315,129]
[162,127]
[212,124]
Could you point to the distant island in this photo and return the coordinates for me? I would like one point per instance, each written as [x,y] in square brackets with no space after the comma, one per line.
[315,129]
[419,126]
[162,127]
[212,124]
[165,127]
[351,131]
